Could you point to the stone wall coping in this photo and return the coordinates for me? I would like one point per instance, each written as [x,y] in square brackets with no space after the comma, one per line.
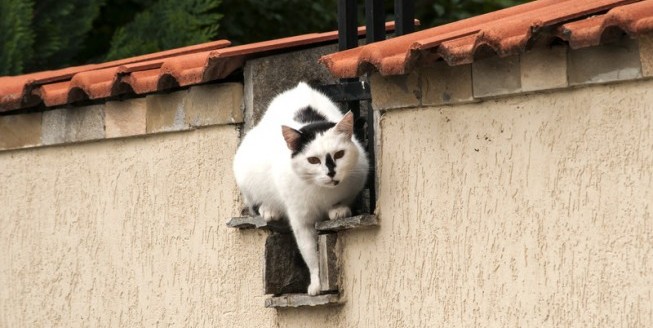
[541,69]
[183,110]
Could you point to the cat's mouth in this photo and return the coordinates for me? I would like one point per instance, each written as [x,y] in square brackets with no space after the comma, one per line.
[331,183]
[327,182]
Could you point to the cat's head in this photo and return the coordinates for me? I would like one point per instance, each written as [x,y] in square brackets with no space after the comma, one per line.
[323,153]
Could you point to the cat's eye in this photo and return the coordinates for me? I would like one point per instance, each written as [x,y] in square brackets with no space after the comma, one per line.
[339,154]
[313,160]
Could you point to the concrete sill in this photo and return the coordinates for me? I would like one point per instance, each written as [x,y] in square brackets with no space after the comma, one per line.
[355,222]
[257,222]
[328,226]
[297,300]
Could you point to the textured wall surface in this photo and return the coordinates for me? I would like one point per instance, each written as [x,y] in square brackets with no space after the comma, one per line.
[127,233]
[532,211]
[526,211]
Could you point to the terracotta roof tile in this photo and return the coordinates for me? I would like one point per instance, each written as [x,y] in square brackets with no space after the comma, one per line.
[81,82]
[143,74]
[632,19]
[505,32]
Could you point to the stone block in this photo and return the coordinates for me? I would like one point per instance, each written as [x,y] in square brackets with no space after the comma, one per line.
[328,257]
[166,112]
[605,63]
[444,84]
[646,54]
[285,270]
[215,104]
[298,300]
[73,125]
[400,91]
[354,222]
[496,76]
[84,123]
[18,131]
[266,77]
[544,68]
[125,118]
[54,127]
[257,222]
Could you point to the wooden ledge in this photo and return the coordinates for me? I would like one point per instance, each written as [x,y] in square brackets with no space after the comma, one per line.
[355,222]
[297,300]
[328,226]
[257,222]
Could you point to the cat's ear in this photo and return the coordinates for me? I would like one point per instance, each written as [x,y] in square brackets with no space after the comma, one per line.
[346,125]
[292,137]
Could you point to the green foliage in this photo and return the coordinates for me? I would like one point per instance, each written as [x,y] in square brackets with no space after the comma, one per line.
[164,25]
[48,34]
[249,21]
[434,13]
[43,35]
[16,35]
[60,27]
[113,15]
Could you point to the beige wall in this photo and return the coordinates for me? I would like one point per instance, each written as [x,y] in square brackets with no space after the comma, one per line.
[127,233]
[548,224]
[529,210]
[523,212]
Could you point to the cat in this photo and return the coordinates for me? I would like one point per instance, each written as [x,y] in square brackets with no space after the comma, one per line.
[302,162]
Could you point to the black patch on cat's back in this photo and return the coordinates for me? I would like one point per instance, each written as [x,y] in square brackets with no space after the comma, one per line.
[308,115]
[309,132]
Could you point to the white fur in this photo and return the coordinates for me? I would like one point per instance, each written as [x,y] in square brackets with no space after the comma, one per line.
[291,187]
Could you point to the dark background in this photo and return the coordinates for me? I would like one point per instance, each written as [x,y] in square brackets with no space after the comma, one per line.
[38,35]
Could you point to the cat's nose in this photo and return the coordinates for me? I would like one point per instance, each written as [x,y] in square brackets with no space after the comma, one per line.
[331,174]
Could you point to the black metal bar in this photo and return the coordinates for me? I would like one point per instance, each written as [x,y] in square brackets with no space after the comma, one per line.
[347,39]
[404,17]
[375,26]
[374,20]
[347,24]
[371,152]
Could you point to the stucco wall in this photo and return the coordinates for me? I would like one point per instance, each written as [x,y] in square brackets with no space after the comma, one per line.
[528,210]
[127,233]
[531,211]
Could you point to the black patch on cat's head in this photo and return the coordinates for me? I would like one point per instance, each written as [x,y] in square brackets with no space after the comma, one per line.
[308,133]
[331,165]
[309,114]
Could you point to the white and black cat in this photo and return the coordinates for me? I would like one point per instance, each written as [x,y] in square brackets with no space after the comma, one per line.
[302,162]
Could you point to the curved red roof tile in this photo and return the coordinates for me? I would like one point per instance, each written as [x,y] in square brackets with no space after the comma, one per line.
[633,19]
[505,32]
[93,81]
[143,74]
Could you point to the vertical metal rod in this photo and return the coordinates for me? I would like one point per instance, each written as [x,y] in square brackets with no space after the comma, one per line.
[348,38]
[347,24]
[375,31]
[404,17]
[374,20]
[371,152]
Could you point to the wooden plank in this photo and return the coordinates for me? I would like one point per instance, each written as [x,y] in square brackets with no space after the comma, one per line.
[354,222]
[257,222]
[297,300]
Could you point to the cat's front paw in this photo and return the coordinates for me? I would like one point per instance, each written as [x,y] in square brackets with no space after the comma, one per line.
[269,214]
[313,288]
[339,212]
